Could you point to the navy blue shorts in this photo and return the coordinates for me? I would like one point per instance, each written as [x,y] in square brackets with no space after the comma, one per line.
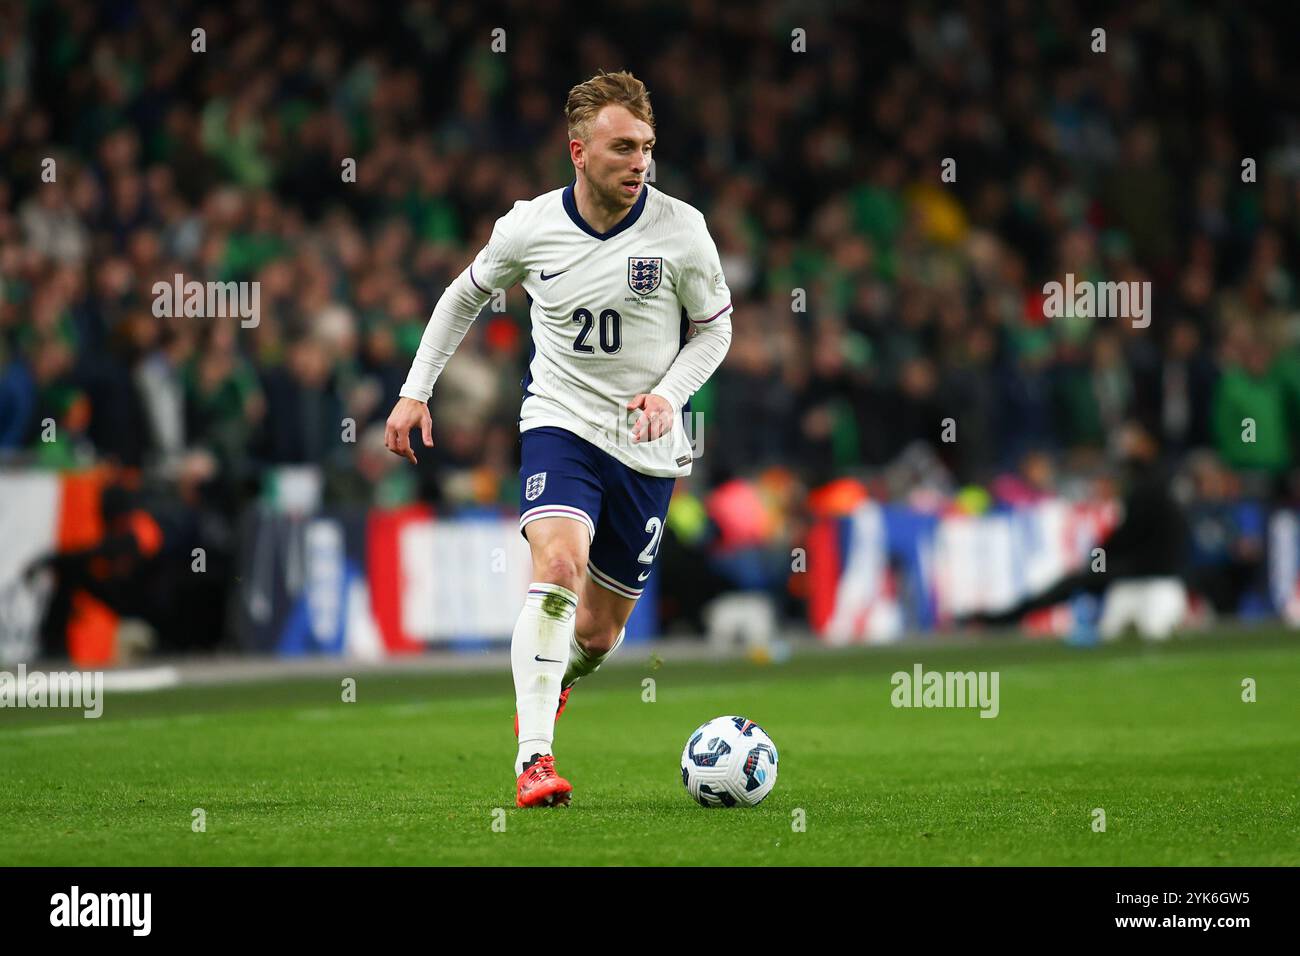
[562,475]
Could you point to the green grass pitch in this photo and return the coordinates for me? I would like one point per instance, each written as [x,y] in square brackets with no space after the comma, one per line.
[1158,737]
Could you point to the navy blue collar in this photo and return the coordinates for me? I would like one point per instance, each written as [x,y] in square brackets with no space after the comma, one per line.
[571,207]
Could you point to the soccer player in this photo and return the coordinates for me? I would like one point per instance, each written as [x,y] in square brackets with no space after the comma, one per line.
[630,316]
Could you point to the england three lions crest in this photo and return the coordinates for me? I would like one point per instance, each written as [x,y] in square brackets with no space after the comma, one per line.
[535,485]
[644,274]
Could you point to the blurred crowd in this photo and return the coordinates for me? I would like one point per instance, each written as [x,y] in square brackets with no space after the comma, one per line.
[873,299]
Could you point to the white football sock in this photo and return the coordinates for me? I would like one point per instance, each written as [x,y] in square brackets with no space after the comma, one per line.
[582,662]
[539,653]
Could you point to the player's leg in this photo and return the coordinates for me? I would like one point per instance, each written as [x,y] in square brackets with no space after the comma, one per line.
[559,492]
[559,548]
[598,631]
[632,515]
[539,653]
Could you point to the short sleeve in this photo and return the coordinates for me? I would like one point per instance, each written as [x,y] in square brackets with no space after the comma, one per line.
[702,288]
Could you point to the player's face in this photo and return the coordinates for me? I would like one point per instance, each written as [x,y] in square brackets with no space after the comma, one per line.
[615,157]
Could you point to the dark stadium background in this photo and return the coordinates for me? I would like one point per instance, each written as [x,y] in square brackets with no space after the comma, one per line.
[817,171]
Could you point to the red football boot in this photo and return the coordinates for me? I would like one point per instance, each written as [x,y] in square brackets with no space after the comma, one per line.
[564,699]
[541,786]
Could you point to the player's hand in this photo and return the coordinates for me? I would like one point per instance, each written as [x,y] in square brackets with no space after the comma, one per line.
[408,414]
[656,418]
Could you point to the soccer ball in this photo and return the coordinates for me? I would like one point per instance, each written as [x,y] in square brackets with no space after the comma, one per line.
[728,762]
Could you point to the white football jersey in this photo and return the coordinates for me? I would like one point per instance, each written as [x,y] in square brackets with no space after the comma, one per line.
[609,314]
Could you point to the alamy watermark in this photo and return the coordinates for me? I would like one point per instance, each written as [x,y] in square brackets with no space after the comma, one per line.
[208,300]
[75,908]
[922,688]
[80,690]
[623,421]
[1085,299]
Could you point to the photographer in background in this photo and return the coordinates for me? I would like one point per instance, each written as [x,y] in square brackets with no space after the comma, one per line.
[1142,580]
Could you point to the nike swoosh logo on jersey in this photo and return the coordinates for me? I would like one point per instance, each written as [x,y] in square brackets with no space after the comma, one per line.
[545,660]
[547,278]
[643,575]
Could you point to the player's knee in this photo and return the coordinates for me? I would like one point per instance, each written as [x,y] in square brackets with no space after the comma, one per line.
[558,566]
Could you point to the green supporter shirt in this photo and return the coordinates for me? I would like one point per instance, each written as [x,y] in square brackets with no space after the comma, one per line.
[1240,400]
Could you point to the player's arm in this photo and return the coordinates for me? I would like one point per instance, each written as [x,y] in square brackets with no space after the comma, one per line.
[495,267]
[704,295]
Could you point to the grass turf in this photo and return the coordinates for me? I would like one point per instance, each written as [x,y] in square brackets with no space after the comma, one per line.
[1158,737]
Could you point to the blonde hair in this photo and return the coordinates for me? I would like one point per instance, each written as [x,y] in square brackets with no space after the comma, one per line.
[587,99]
